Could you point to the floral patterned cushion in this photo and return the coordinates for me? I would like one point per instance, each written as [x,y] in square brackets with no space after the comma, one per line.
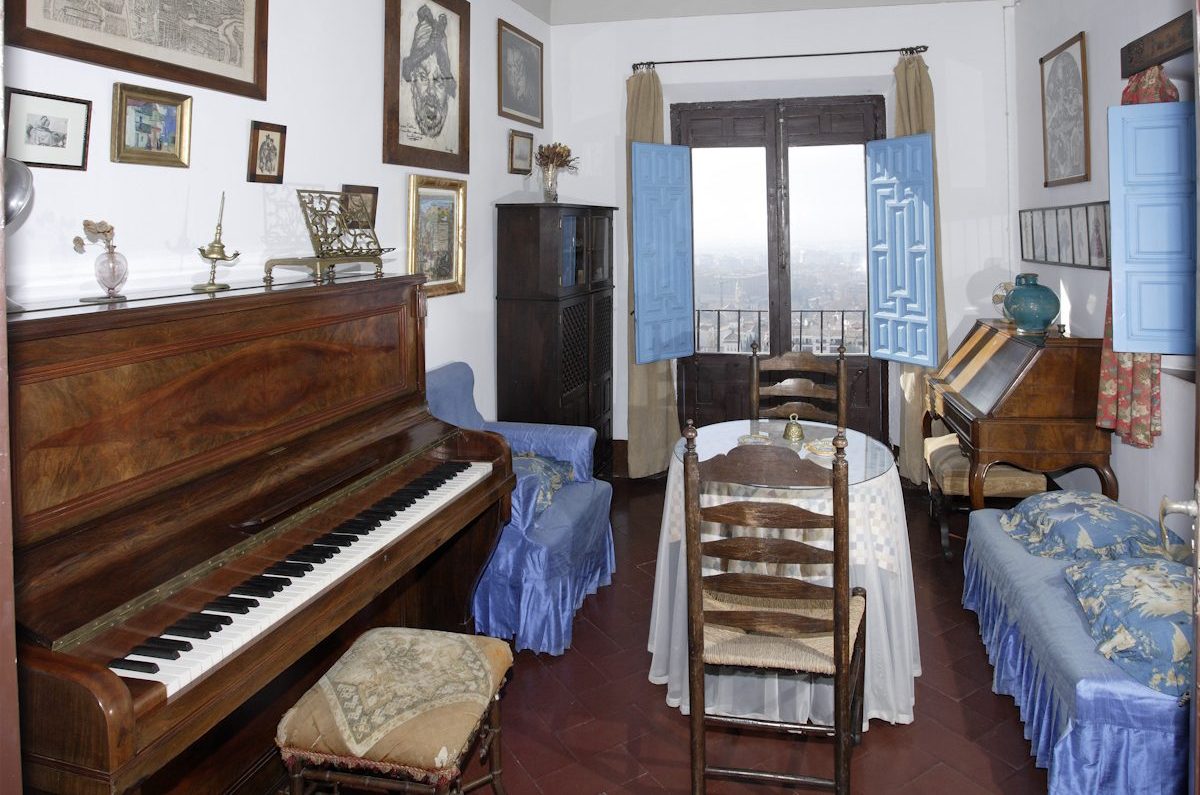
[1085,525]
[1141,617]
[400,701]
[539,478]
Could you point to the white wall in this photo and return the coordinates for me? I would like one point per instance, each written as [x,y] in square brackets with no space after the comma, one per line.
[325,74]
[1144,475]
[967,60]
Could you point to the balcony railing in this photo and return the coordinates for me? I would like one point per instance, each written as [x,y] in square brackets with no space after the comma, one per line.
[815,330]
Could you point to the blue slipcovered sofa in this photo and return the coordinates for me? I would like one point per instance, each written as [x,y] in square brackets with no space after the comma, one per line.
[558,547]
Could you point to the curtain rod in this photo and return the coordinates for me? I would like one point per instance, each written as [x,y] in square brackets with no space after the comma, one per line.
[920,48]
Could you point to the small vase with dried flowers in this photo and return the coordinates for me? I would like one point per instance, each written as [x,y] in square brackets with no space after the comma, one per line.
[112,269]
[551,159]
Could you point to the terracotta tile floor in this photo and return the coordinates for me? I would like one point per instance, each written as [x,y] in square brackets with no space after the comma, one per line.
[590,721]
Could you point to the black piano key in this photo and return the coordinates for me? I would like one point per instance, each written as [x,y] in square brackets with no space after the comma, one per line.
[322,549]
[335,540]
[233,604]
[211,618]
[134,665]
[370,521]
[168,643]
[258,591]
[376,513]
[345,530]
[309,556]
[290,569]
[147,650]
[197,623]
[276,584]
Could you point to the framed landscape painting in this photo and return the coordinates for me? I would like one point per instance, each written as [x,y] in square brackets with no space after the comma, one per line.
[519,75]
[224,48]
[437,228]
[47,130]
[426,85]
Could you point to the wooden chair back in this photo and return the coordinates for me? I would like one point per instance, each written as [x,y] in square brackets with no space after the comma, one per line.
[797,382]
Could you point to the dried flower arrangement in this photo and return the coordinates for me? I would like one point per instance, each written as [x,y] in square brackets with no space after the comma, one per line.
[556,155]
[97,232]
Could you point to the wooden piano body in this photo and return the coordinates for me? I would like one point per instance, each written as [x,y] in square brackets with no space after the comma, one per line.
[1025,400]
[162,453]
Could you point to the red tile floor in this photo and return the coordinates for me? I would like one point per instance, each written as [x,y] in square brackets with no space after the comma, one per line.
[590,721]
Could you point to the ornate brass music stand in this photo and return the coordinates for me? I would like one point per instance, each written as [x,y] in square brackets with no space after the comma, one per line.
[341,233]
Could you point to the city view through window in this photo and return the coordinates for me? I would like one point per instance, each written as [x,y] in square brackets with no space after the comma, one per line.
[828,248]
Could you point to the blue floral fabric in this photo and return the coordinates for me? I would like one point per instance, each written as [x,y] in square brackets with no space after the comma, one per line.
[1087,526]
[1140,610]
[540,477]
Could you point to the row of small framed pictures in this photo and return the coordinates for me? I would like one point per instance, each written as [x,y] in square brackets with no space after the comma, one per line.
[1077,235]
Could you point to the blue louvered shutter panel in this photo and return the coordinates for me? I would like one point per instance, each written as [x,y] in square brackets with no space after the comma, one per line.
[1152,196]
[901,261]
[662,251]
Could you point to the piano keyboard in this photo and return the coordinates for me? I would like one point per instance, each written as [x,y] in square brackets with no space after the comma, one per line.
[198,642]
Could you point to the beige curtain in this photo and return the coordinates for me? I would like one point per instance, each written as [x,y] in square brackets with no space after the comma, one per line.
[653,415]
[914,114]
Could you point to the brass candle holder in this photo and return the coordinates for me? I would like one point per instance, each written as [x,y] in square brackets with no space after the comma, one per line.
[214,252]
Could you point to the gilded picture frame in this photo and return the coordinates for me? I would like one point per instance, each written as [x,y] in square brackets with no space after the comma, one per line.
[519,86]
[1066,139]
[437,233]
[268,145]
[426,84]
[151,127]
[224,53]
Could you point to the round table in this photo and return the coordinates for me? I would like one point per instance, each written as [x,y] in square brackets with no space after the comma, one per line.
[879,561]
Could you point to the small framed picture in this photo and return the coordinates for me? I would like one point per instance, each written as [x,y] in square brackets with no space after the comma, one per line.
[150,127]
[437,226]
[48,130]
[1079,233]
[519,73]
[361,201]
[1039,236]
[1065,242]
[267,144]
[1098,234]
[1051,227]
[1026,234]
[520,152]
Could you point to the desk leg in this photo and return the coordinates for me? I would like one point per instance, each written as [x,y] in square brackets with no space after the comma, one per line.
[978,472]
[1108,481]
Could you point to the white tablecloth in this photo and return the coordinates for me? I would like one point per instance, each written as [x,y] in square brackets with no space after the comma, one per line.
[879,561]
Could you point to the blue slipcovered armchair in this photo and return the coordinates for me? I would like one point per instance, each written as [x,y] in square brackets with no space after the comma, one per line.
[558,547]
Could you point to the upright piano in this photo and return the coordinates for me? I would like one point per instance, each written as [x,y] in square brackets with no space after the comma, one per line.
[212,498]
[1026,400]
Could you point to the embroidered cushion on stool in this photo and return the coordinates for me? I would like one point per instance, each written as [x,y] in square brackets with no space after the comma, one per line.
[951,470]
[400,701]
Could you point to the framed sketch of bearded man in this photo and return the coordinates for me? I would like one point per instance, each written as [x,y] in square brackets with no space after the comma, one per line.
[426,86]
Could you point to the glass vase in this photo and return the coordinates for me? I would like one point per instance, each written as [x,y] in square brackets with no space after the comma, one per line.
[112,269]
[550,183]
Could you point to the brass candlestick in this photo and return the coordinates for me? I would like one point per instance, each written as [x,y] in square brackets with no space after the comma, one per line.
[214,252]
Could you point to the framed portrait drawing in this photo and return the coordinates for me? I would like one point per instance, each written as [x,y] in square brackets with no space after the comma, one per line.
[519,75]
[224,48]
[1065,241]
[426,85]
[47,130]
[150,127]
[520,152]
[267,144]
[437,229]
[1051,228]
[1066,144]
[361,202]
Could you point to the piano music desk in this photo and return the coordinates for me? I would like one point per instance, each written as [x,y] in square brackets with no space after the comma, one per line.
[1025,400]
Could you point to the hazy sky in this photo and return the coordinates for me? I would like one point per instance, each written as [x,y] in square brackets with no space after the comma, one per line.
[729,197]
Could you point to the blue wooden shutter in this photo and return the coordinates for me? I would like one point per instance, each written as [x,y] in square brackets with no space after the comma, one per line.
[662,251]
[1152,194]
[902,263]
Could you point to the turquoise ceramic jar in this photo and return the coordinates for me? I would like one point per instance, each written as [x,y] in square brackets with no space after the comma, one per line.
[1032,306]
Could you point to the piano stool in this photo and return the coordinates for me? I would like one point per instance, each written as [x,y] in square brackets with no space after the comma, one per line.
[948,470]
[400,711]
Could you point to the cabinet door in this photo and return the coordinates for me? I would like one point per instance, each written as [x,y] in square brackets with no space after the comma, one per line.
[574,328]
[600,248]
[572,251]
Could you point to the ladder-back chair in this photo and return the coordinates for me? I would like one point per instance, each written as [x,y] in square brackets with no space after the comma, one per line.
[790,387]
[745,617]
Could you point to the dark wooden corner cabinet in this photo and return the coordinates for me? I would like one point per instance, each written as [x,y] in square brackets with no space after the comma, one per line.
[554,316]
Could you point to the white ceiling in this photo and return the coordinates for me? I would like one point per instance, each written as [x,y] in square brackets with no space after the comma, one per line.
[569,12]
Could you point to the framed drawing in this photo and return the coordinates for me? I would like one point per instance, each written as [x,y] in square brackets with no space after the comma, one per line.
[224,48]
[1076,235]
[47,130]
[426,88]
[150,127]
[1066,145]
[267,144]
[520,152]
[361,202]
[519,75]
[437,229]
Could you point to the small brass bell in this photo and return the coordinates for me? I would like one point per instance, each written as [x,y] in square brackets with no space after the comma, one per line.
[793,431]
